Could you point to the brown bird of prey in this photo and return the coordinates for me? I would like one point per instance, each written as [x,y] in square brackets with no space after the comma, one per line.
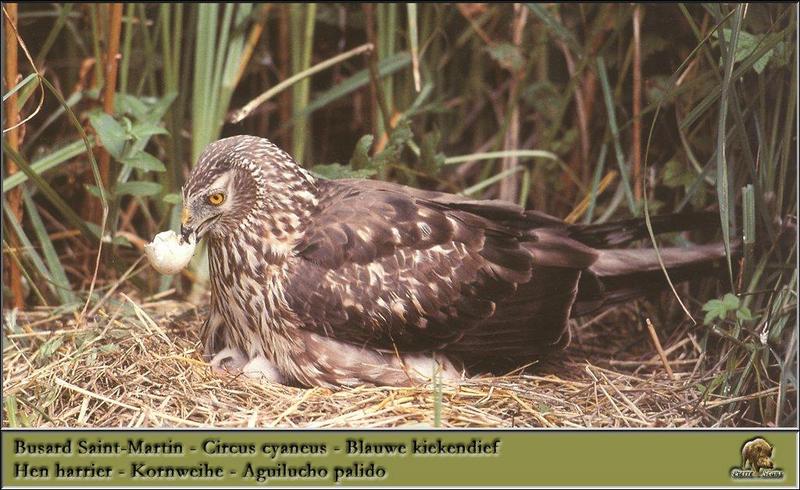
[348,282]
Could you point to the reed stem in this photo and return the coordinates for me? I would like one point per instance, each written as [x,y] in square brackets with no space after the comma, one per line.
[13,137]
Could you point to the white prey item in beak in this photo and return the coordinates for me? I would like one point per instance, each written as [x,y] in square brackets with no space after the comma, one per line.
[168,254]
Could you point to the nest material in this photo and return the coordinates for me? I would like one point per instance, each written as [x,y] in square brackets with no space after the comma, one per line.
[140,365]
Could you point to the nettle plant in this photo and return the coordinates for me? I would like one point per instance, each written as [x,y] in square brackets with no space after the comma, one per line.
[125,136]
[730,306]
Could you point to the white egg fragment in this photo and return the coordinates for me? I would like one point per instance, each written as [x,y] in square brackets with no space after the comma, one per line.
[168,254]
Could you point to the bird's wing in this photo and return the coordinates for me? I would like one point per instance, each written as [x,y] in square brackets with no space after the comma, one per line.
[393,267]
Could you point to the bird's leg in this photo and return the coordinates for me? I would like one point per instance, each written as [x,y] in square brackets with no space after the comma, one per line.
[262,368]
[228,359]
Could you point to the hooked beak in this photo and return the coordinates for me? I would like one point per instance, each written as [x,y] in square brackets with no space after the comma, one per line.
[186,229]
[192,229]
[186,233]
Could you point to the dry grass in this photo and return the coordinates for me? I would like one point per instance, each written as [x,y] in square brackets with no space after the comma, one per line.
[140,366]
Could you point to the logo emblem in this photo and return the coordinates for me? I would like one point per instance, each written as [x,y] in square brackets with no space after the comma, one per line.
[757,461]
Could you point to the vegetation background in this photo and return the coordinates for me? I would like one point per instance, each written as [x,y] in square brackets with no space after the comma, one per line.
[589,112]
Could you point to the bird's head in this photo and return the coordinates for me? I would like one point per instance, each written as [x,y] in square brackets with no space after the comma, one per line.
[244,184]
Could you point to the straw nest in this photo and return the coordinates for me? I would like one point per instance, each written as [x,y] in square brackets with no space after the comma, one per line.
[139,364]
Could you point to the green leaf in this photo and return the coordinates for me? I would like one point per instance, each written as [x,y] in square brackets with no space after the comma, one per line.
[48,348]
[507,55]
[543,97]
[715,383]
[93,190]
[431,160]
[745,46]
[744,314]
[145,129]
[711,305]
[144,161]
[172,198]
[361,158]
[143,109]
[730,301]
[128,104]
[159,106]
[714,309]
[554,24]
[400,136]
[138,188]
[338,171]
[675,174]
[127,124]
[783,51]
[720,309]
[111,133]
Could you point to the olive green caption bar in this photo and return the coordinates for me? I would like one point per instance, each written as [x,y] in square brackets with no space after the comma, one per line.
[316,458]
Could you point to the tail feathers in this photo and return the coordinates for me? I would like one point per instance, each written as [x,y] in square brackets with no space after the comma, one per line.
[619,233]
[616,262]
[621,275]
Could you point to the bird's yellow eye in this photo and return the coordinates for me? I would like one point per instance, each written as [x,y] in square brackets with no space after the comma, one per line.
[216,198]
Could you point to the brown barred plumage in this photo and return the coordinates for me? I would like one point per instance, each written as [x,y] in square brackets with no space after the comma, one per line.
[353,282]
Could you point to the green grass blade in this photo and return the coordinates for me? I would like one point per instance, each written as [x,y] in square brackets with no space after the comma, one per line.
[768,44]
[87,144]
[27,249]
[48,191]
[359,79]
[64,10]
[555,26]
[493,155]
[11,410]
[789,143]
[19,86]
[223,54]
[126,52]
[57,276]
[280,87]
[723,195]
[52,117]
[748,228]
[612,123]
[525,187]
[598,172]
[203,91]
[46,163]
[491,180]
[302,64]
